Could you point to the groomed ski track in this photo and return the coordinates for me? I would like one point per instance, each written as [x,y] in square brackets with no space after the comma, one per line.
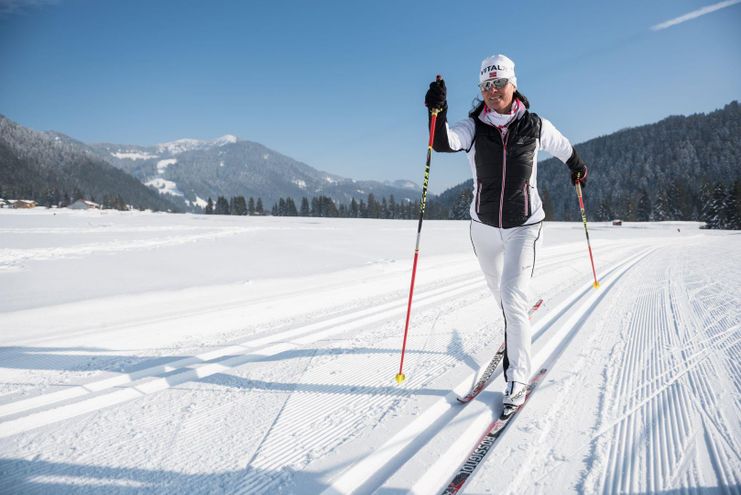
[641,394]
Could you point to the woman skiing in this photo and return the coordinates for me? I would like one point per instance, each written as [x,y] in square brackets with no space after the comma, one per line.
[501,138]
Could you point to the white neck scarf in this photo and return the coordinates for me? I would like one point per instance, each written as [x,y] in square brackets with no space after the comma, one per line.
[502,120]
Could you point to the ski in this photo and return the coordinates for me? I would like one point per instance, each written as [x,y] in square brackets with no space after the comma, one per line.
[489,438]
[485,379]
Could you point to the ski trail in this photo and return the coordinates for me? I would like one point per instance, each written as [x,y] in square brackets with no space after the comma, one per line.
[550,356]
[661,424]
[654,408]
[122,388]
[13,258]
[360,402]
[362,475]
[89,395]
[291,450]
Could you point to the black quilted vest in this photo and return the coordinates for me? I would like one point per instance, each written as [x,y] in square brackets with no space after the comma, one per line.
[503,170]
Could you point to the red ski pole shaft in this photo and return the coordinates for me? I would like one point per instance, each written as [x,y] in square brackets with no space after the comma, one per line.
[586,231]
[400,376]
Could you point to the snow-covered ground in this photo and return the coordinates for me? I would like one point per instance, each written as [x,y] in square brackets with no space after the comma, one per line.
[155,353]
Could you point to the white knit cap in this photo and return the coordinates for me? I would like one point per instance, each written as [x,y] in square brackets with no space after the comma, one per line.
[498,66]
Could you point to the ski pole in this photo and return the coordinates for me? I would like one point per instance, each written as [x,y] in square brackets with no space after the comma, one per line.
[400,376]
[586,231]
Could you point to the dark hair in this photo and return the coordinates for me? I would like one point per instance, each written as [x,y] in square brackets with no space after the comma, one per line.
[522,98]
[478,104]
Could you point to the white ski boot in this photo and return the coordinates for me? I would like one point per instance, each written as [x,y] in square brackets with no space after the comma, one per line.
[514,395]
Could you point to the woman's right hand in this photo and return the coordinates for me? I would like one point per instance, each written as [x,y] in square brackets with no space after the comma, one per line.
[436,97]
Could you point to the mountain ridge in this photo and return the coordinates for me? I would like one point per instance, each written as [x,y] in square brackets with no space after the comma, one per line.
[184,172]
[228,166]
[53,168]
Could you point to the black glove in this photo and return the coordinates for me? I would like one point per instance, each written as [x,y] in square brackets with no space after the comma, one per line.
[436,95]
[580,175]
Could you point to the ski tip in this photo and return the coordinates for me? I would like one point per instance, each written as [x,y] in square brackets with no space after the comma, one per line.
[400,378]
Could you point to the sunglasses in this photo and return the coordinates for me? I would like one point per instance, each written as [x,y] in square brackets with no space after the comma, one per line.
[494,83]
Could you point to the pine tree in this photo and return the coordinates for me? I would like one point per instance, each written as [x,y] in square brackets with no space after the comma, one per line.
[393,207]
[291,210]
[643,207]
[709,213]
[548,206]
[251,206]
[461,209]
[258,207]
[239,206]
[118,203]
[209,207]
[681,201]
[222,206]
[730,209]
[661,207]
[305,212]
[362,210]
[725,206]
[736,217]
[374,207]
[331,207]
[603,213]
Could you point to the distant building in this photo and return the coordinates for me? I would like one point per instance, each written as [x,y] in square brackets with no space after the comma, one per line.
[22,203]
[3,203]
[617,222]
[83,204]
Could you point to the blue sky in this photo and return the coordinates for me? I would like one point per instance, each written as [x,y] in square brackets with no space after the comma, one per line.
[340,85]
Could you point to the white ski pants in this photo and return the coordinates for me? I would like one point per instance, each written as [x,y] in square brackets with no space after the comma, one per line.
[507,258]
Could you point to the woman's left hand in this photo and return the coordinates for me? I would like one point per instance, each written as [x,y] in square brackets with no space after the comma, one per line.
[580,176]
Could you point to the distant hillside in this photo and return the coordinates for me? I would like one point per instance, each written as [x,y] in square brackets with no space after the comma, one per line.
[52,168]
[180,175]
[191,171]
[681,168]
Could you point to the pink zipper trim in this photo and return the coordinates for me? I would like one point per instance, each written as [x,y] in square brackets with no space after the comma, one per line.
[524,191]
[504,174]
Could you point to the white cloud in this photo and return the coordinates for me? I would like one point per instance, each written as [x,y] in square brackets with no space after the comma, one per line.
[694,14]
[8,7]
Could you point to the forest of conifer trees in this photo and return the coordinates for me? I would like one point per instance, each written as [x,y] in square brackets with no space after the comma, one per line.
[324,206]
[718,205]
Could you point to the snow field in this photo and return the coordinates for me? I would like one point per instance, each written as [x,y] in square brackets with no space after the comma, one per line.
[275,374]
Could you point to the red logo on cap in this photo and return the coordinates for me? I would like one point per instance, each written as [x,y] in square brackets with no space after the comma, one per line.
[492,75]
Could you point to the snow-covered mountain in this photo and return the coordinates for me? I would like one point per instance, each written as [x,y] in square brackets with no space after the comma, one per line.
[186,172]
[183,145]
[193,170]
[49,167]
